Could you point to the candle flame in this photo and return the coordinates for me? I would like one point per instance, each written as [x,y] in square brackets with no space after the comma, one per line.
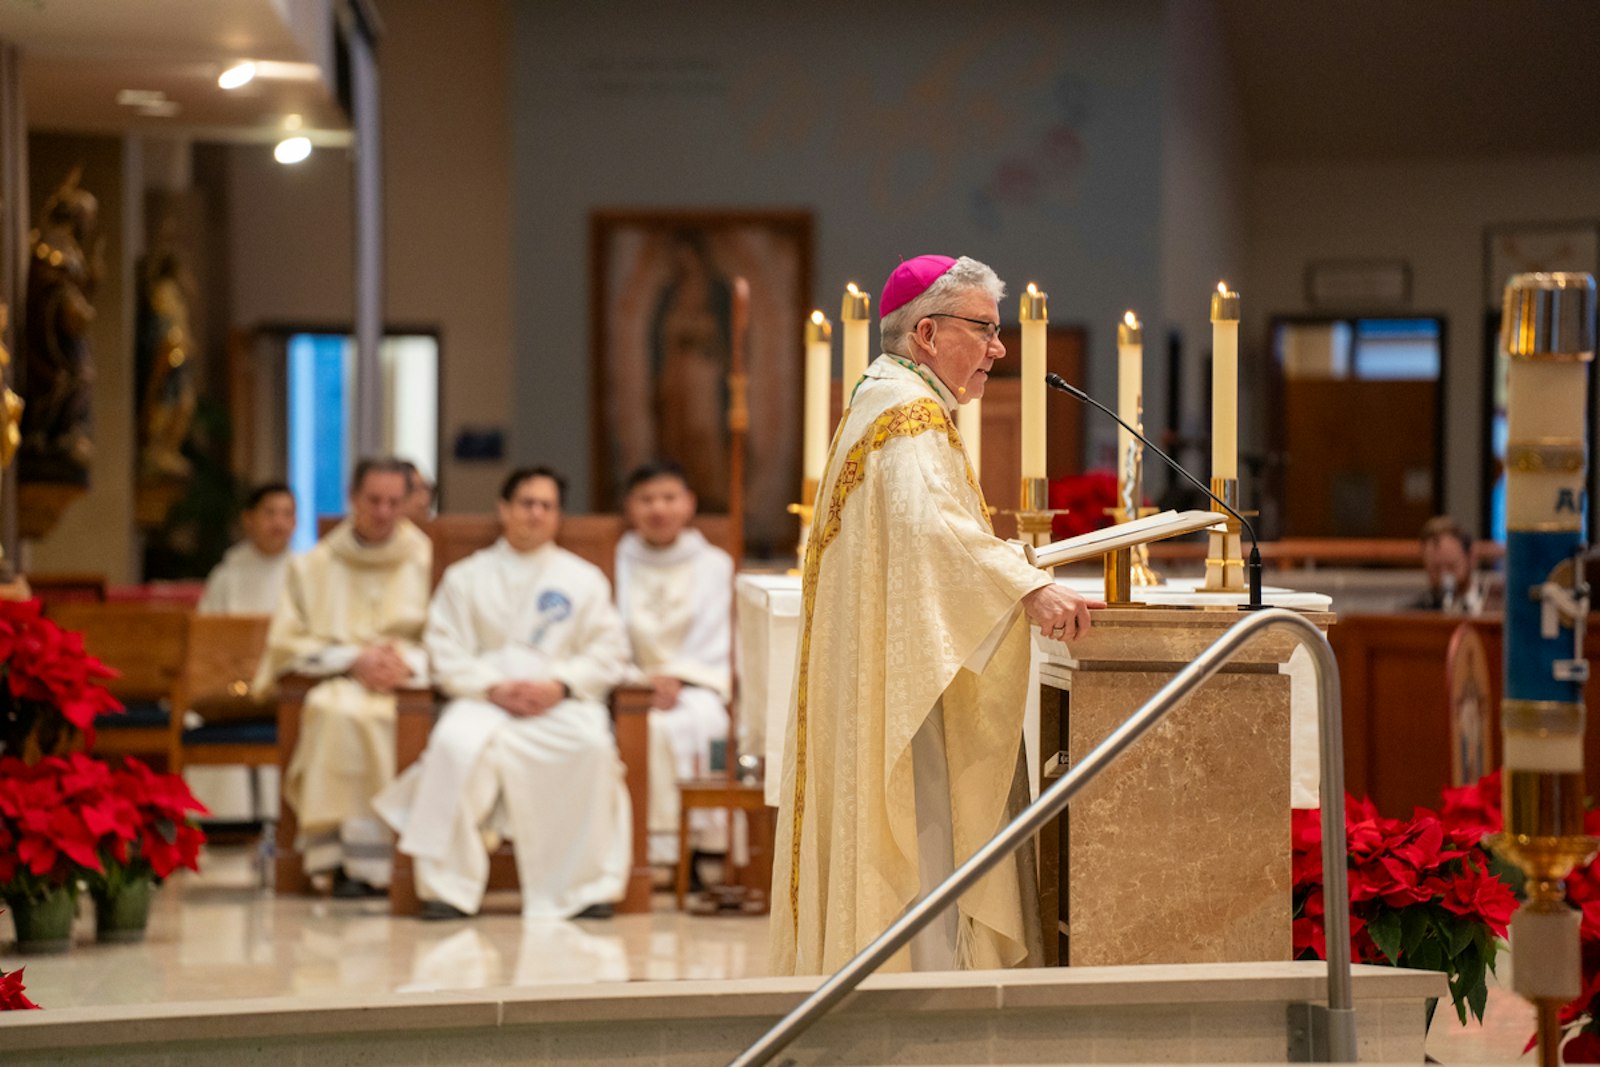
[817,317]
[851,289]
[1033,290]
[1131,319]
[1222,287]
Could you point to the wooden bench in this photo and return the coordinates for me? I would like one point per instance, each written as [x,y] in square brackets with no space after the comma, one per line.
[145,642]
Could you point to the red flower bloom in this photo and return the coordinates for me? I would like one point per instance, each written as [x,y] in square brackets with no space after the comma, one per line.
[12,998]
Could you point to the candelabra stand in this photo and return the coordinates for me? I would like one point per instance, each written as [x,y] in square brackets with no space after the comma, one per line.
[1035,517]
[1224,551]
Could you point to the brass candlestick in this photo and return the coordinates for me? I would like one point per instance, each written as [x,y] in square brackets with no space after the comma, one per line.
[1224,551]
[1035,516]
[806,509]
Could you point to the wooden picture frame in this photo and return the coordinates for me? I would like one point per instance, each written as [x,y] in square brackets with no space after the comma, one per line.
[660,298]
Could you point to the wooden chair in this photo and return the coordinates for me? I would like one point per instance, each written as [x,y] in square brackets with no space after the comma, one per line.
[145,643]
[220,661]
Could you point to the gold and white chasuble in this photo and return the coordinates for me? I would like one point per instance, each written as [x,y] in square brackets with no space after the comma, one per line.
[340,597]
[906,591]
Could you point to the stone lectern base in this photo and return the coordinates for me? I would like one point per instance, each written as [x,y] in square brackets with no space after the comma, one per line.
[1179,852]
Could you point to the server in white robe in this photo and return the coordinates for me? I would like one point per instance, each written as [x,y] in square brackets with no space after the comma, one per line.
[248,581]
[250,577]
[675,591]
[352,613]
[525,640]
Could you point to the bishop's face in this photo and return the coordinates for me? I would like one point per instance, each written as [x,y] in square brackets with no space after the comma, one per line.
[959,343]
[532,515]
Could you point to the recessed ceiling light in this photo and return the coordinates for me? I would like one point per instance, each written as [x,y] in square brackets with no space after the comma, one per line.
[159,109]
[292,122]
[292,150]
[240,74]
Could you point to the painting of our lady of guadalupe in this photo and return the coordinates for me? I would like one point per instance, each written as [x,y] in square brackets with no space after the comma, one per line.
[663,301]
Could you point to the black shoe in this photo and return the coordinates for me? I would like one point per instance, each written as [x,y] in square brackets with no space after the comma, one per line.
[439,911]
[596,911]
[347,888]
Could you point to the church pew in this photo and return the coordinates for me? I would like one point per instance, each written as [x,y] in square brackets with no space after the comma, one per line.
[1395,696]
[145,643]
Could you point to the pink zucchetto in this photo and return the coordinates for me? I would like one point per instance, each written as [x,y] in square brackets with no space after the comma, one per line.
[910,280]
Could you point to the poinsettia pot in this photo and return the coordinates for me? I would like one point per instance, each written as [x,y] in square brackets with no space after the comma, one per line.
[122,913]
[44,924]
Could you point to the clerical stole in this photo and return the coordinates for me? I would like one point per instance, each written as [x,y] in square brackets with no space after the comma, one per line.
[904,582]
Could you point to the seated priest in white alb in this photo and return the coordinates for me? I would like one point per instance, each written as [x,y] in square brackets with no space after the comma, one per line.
[250,577]
[526,643]
[352,613]
[675,591]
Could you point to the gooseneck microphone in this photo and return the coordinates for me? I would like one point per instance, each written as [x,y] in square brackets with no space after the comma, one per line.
[1056,381]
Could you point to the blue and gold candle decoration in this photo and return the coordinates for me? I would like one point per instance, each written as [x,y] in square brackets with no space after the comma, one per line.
[1548,334]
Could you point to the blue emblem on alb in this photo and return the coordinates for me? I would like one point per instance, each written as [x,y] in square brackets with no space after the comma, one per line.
[553,606]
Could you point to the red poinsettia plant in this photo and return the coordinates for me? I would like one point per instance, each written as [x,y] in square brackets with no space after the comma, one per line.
[12,993]
[1085,497]
[72,818]
[1424,893]
[53,814]
[52,687]
[155,832]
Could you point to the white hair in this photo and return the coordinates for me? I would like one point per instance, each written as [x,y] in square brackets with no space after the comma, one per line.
[967,273]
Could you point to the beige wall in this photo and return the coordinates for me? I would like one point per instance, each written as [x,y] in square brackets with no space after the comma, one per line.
[96,533]
[447,208]
[1203,179]
[1432,214]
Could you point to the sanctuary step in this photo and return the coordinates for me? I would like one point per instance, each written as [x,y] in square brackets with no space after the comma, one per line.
[1199,1013]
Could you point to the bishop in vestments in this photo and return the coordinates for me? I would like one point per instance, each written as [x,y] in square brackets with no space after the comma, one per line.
[903,751]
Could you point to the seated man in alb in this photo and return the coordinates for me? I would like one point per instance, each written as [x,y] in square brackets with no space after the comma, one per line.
[675,590]
[525,642]
[250,577]
[352,614]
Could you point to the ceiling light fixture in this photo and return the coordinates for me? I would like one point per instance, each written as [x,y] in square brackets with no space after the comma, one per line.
[292,150]
[238,75]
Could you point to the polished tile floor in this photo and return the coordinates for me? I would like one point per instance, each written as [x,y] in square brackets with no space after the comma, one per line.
[215,936]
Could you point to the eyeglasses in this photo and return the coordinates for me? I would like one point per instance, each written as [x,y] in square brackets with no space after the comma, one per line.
[987,331]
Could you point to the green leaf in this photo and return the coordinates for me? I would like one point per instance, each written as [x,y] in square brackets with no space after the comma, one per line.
[1413,928]
[1477,997]
[1429,956]
[1462,937]
[1385,929]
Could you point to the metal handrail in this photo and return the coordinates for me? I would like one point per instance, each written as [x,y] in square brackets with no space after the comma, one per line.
[1340,1030]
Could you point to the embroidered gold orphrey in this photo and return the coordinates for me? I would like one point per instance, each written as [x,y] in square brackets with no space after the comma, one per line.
[903,420]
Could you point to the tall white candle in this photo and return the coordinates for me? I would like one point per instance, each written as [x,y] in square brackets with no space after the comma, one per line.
[1224,382]
[854,315]
[819,375]
[969,420]
[1035,320]
[1130,387]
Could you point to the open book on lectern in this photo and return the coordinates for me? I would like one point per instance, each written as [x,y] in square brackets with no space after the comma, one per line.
[1157,527]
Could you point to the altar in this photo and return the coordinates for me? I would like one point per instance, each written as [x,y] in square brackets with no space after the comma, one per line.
[1180,853]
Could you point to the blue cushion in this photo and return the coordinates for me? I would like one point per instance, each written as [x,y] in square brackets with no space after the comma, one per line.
[243,732]
[146,713]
